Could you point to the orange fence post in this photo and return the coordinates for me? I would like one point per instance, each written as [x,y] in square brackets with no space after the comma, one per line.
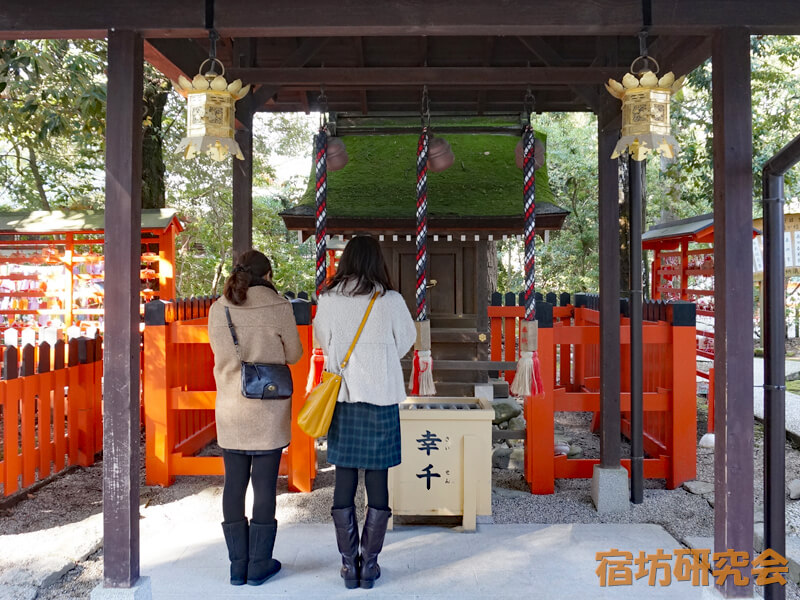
[683,444]
[539,460]
[11,393]
[159,431]
[28,399]
[59,404]
[301,456]
[46,439]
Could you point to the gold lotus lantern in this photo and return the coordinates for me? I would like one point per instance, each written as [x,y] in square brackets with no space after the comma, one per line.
[645,111]
[210,112]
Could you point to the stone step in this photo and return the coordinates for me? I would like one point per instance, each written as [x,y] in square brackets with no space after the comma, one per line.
[457,321]
[459,335]
[500,387]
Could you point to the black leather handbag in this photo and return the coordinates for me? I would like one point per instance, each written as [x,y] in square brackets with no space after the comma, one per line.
[262,381]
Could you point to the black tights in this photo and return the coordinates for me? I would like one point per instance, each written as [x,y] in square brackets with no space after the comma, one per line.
[239,470]
[376,482]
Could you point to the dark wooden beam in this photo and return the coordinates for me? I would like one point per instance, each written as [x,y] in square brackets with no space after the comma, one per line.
[488,51]
[442,226]
[687,56]
[304,53]
[22,19]
[420,17]
[344,77]
[608,200]
[121,427]
[174,57]
[545,52]
[359,42]
[703,17]
[733,270]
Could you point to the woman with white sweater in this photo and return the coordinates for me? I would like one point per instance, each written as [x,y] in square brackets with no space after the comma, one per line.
[365,430]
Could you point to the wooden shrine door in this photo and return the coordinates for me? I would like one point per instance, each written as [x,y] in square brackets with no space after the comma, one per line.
[451,264]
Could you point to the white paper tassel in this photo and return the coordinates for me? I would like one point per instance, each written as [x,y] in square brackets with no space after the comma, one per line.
[414,372]
[426,385]
[523,380]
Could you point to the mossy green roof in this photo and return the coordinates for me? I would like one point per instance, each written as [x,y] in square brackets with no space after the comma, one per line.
[380,178]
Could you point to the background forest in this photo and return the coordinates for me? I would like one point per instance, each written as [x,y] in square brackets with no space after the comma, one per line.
[52,118]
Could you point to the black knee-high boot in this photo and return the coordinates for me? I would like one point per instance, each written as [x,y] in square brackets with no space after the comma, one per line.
[372,544]
[344,520]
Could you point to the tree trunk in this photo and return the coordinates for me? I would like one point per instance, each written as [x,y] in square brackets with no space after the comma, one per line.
[37,177]
[492,269]
[153,169]
[217,277]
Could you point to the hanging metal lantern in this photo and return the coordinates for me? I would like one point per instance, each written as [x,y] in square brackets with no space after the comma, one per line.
[645,111]
[538,153]
[337,154]
[210,113]
[440,154]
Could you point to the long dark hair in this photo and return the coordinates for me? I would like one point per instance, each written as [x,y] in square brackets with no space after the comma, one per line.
[249,269]
[362,265]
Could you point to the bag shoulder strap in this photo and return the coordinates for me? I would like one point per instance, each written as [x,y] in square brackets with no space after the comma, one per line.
[233,333]
[358,333]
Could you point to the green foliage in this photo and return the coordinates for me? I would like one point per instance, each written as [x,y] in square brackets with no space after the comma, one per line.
[201,190]
[380,179]
[568,261]
[52,122]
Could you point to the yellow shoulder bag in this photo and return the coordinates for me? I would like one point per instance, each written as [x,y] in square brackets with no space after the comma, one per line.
[316,414]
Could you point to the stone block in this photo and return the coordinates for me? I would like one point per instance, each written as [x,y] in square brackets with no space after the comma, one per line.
[698,487]
[610,491]
[139,591]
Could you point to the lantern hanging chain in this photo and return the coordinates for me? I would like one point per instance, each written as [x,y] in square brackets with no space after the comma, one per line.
[528,105]
[647,21]
[322,101]
[213,37]
[425,108]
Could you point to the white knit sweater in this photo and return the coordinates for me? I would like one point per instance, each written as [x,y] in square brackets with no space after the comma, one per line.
[373,373]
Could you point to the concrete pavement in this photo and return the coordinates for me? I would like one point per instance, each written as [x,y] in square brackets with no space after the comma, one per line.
[189,560]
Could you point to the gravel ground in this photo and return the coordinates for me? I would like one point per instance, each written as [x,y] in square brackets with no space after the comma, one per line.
[78,495]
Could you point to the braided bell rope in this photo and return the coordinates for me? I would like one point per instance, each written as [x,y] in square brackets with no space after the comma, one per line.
[321,201]
[422,224]
[529,195]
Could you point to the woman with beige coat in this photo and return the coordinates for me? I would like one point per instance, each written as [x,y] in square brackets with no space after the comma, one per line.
[251,432]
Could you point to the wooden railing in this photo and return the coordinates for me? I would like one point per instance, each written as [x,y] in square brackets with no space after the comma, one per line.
[569,353]
[180,393]
[51,410]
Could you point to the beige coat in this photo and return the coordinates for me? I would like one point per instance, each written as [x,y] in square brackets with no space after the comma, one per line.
[267,333]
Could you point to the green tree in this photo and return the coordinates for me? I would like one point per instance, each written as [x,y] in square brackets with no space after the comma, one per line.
[52,121]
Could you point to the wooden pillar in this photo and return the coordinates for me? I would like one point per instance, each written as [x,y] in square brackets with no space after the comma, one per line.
[243,181]
[121,367]
[733,270]
[608,198]
[243,169]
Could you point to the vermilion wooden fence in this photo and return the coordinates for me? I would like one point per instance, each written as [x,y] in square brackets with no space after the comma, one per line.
[569,353]
[51,410]
[180,392]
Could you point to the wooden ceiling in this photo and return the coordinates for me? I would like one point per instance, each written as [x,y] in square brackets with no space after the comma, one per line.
[464,74]
[374,56]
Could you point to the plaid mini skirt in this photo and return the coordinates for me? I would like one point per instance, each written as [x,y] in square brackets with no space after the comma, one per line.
[364,436]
